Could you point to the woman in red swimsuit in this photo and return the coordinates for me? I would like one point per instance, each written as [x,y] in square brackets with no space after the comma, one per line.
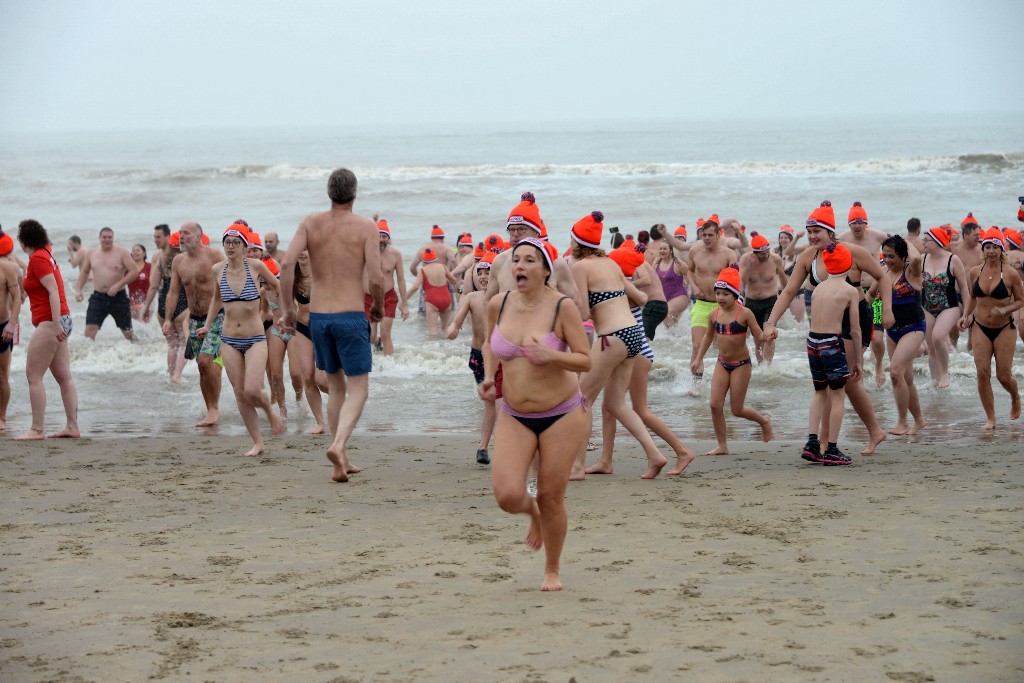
[537,335]
[434,277]
[996,292]
[48,348]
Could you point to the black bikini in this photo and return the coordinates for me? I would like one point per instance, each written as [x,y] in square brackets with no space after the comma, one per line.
[998,292]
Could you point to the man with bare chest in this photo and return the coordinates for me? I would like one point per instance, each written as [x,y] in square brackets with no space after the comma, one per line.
[193,270]
[391,267]
[764,276]
[705,260]
[968,249]
[859,233]
[112,268]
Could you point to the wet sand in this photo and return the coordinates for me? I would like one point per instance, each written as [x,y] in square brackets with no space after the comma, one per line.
[177,559]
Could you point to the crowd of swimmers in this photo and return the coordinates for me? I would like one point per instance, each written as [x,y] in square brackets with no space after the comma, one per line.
[551,331]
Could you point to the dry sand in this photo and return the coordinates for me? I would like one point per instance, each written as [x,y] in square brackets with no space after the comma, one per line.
[177,559]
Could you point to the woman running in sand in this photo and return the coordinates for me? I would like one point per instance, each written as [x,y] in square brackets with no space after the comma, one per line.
[618,337]
[943,275]
[537,336]
[996,292]
[48,348]
[903,265]
[630,256]
[300,348]
[730,324]
[243,342]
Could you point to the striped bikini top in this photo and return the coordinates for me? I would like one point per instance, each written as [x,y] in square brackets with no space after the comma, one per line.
[250,292]
[731,329]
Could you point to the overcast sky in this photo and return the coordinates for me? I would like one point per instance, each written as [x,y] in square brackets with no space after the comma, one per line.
[115,64]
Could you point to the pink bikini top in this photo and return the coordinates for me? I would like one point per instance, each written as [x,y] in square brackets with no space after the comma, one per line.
[506,350]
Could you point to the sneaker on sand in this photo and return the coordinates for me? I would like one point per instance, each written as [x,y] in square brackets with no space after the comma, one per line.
[834,456]
[812,452]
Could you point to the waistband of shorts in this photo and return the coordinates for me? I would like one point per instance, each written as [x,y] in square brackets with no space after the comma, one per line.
[341,317]
[820,337]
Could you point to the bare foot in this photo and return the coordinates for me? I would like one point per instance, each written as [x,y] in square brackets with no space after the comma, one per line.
[879,379]
[766,430]
[3,426]
[918,426]
[338,460]
[551,582]
[254,451]
[32,434]
[66,433]
[682,460]
[721,450]
[534,539]
[1015,407]
[577,474]
[990,425]
[352,469]
[944,382]
[319,429]
[654,468]
[276,423]
[212,418]
[176,380]
[600,467]
[900,429]
[284,411]
[873,442]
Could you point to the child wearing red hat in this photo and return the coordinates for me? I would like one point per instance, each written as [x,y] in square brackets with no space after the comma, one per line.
[732,373]
[833,299]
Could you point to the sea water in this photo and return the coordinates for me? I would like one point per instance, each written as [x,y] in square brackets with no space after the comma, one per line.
[766,173]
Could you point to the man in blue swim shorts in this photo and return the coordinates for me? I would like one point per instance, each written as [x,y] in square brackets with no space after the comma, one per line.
[342,246]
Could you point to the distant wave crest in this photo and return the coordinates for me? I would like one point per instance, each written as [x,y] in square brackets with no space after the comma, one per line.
[963,163]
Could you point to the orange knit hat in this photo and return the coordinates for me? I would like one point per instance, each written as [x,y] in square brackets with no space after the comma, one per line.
[700,224]
[629,256]
[6,243]
[206,239]
[429,255]
[547,251]
[465,240]
[857,213]
[175,239]
[273,266]
[526,213]
[436,232]
[823,217]
[729,279]
[940,235]
[759,242]
[993,236]
[487,259]
[255,240]
[713,218]
[786,229]
[494,243]
[236,230]
[383,227]
[970,220]
[681,232]
[479,251]
[587,230]
[837,258]
[1012,237]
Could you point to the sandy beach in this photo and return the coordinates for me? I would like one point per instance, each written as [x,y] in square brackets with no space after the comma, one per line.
[177,559]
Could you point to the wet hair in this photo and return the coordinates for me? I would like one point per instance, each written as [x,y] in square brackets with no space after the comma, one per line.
[579,252]
[897,244]
[143,248]
[75,239]
[32,234]
[914,226]
[107,229]
[617,240]
[656,231]
[969,228]
[164,228]
[341,186]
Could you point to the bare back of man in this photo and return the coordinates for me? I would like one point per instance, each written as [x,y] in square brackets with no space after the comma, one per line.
[342,247]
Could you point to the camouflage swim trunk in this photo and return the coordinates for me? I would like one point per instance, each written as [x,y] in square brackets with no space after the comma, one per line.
[210,344]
